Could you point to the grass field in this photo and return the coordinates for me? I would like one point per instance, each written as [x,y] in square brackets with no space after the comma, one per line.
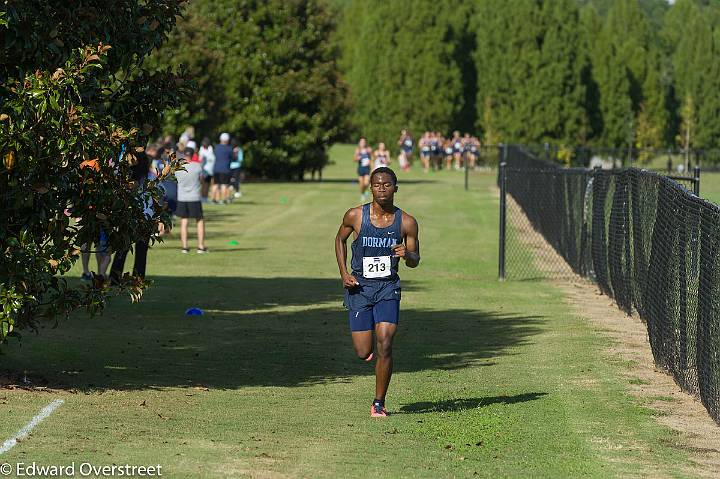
[492,379]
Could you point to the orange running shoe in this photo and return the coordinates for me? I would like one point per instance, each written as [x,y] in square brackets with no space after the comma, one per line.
[377,410]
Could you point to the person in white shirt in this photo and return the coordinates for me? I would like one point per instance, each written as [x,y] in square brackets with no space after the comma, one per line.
[207,160]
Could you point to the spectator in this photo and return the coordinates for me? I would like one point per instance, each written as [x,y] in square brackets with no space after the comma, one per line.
[139,175]
[221,170]
[102,256]
[235,169]
[187,135]
[189,204]
[168,186]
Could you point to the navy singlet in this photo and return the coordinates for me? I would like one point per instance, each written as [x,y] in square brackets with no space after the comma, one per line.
[374,242]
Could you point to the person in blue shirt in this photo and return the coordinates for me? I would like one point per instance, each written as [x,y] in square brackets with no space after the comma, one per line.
[384,234]
[221,170]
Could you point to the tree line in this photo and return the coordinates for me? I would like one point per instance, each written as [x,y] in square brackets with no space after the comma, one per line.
[264,71]
[595,72]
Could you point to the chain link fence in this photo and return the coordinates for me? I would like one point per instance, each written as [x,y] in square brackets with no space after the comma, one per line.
[645,239]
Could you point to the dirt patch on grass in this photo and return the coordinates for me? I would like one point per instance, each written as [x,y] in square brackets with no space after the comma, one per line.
[697,434]
[11,380]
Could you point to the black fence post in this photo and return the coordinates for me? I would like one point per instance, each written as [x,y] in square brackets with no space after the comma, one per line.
[696,183]
[503,208]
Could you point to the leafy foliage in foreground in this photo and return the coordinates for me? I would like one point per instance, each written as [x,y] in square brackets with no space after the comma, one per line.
[76,107]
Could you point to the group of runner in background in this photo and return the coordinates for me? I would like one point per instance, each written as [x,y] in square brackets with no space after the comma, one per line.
[437,152]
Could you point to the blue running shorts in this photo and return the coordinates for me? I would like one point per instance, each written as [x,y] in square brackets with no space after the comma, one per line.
[387,311]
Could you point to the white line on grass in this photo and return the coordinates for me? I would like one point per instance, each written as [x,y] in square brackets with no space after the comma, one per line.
[22,433]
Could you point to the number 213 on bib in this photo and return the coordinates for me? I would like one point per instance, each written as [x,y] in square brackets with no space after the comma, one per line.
[376,266]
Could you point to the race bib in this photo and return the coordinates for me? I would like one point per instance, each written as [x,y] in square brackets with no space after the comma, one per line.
[376,267]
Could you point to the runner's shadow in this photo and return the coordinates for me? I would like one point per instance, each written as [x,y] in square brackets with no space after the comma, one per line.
[452,405]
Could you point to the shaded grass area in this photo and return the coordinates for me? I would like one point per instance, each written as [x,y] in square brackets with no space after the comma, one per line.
[271,340]
[710,186]
[491,379]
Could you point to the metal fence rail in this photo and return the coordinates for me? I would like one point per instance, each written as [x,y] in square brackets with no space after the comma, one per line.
[646,240]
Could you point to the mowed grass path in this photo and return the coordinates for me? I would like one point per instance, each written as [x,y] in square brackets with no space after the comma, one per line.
[491,379]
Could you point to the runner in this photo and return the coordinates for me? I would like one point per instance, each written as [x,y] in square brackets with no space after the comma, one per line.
[449,152]
[425,151]
[470,150]
[457,143]
[381,156]
[435,150]
[406,148]
[383,235]
[363,153]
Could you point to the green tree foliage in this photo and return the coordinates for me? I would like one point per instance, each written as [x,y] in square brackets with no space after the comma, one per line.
[76,106]
[530,66]
[563,116]
[403,68]
[507,54]
[632,89]
[614,89]
[266,72]
[606,72]
[590,28]
[691,32]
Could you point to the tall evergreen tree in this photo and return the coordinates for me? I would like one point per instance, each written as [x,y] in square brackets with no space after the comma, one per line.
[530,63]
[590,29]
[572,71]
[613,80]
[561,114]
[627,70]
[403,73]
[507,55]
[691,31]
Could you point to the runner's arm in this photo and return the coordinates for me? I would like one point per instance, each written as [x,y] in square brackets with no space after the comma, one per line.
[346,229]
[410,250]
[412,243]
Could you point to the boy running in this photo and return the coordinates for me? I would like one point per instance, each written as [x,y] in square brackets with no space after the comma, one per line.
[383,235]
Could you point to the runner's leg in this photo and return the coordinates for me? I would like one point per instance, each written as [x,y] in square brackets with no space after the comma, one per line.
[384,332]
[362,342]
[361,326]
